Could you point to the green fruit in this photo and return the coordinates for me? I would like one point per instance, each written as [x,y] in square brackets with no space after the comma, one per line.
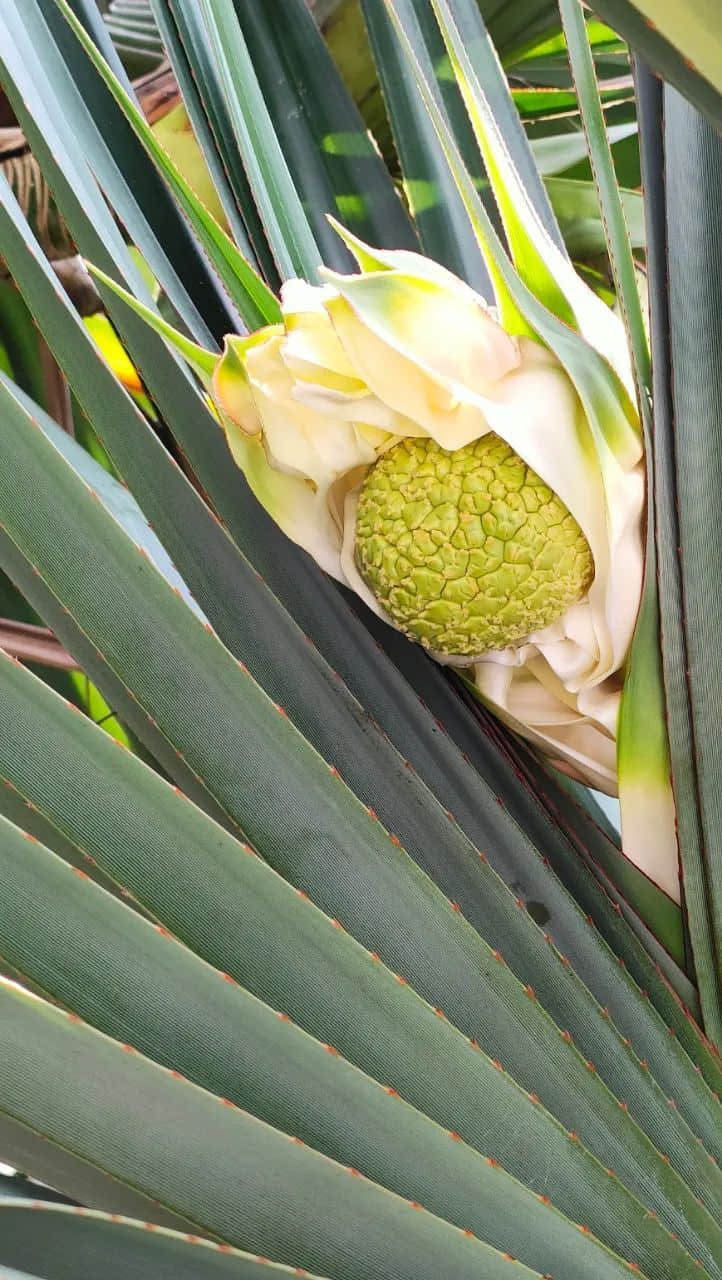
[467,551]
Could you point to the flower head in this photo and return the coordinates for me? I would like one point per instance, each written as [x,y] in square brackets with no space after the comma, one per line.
[445,470]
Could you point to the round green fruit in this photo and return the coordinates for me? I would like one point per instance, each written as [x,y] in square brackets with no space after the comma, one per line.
[467,551]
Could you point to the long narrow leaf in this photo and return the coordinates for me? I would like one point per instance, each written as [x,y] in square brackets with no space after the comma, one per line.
[467,19]
[620,251]
[58,1243]
[683,174]
[681,42]
[148,990]
[274,664]
[201,665]
[189,77]
[188,49]
[643,751]
[253,299]
[236,913]
[439,214]
[123,168]
[214,1166]
[546,271]
[334,163]
[287,229]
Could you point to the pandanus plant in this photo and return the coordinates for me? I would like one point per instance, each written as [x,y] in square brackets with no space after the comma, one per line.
[325,960]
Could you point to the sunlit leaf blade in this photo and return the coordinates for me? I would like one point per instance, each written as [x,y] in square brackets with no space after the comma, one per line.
[535,104]
[334,163]
[544,61]
[426,172]
[543,267]
[576,207]
[287,228]
[613,216]
[475,63]
[518,27]
[520,310]
[463,19]
[106,339]
[229,180]
[443,225]
[683,174]
[512,317]
[251,296]
[556,153]
[681,42]
[123,169]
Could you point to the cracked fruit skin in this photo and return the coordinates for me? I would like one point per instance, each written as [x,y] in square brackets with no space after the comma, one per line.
[467,551]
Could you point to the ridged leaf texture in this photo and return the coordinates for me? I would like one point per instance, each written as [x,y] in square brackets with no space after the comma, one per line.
[333,982]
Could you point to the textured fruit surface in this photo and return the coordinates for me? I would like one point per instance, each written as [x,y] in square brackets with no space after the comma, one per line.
[467,551]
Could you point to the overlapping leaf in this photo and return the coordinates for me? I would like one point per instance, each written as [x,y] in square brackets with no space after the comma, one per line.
[532,1108]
